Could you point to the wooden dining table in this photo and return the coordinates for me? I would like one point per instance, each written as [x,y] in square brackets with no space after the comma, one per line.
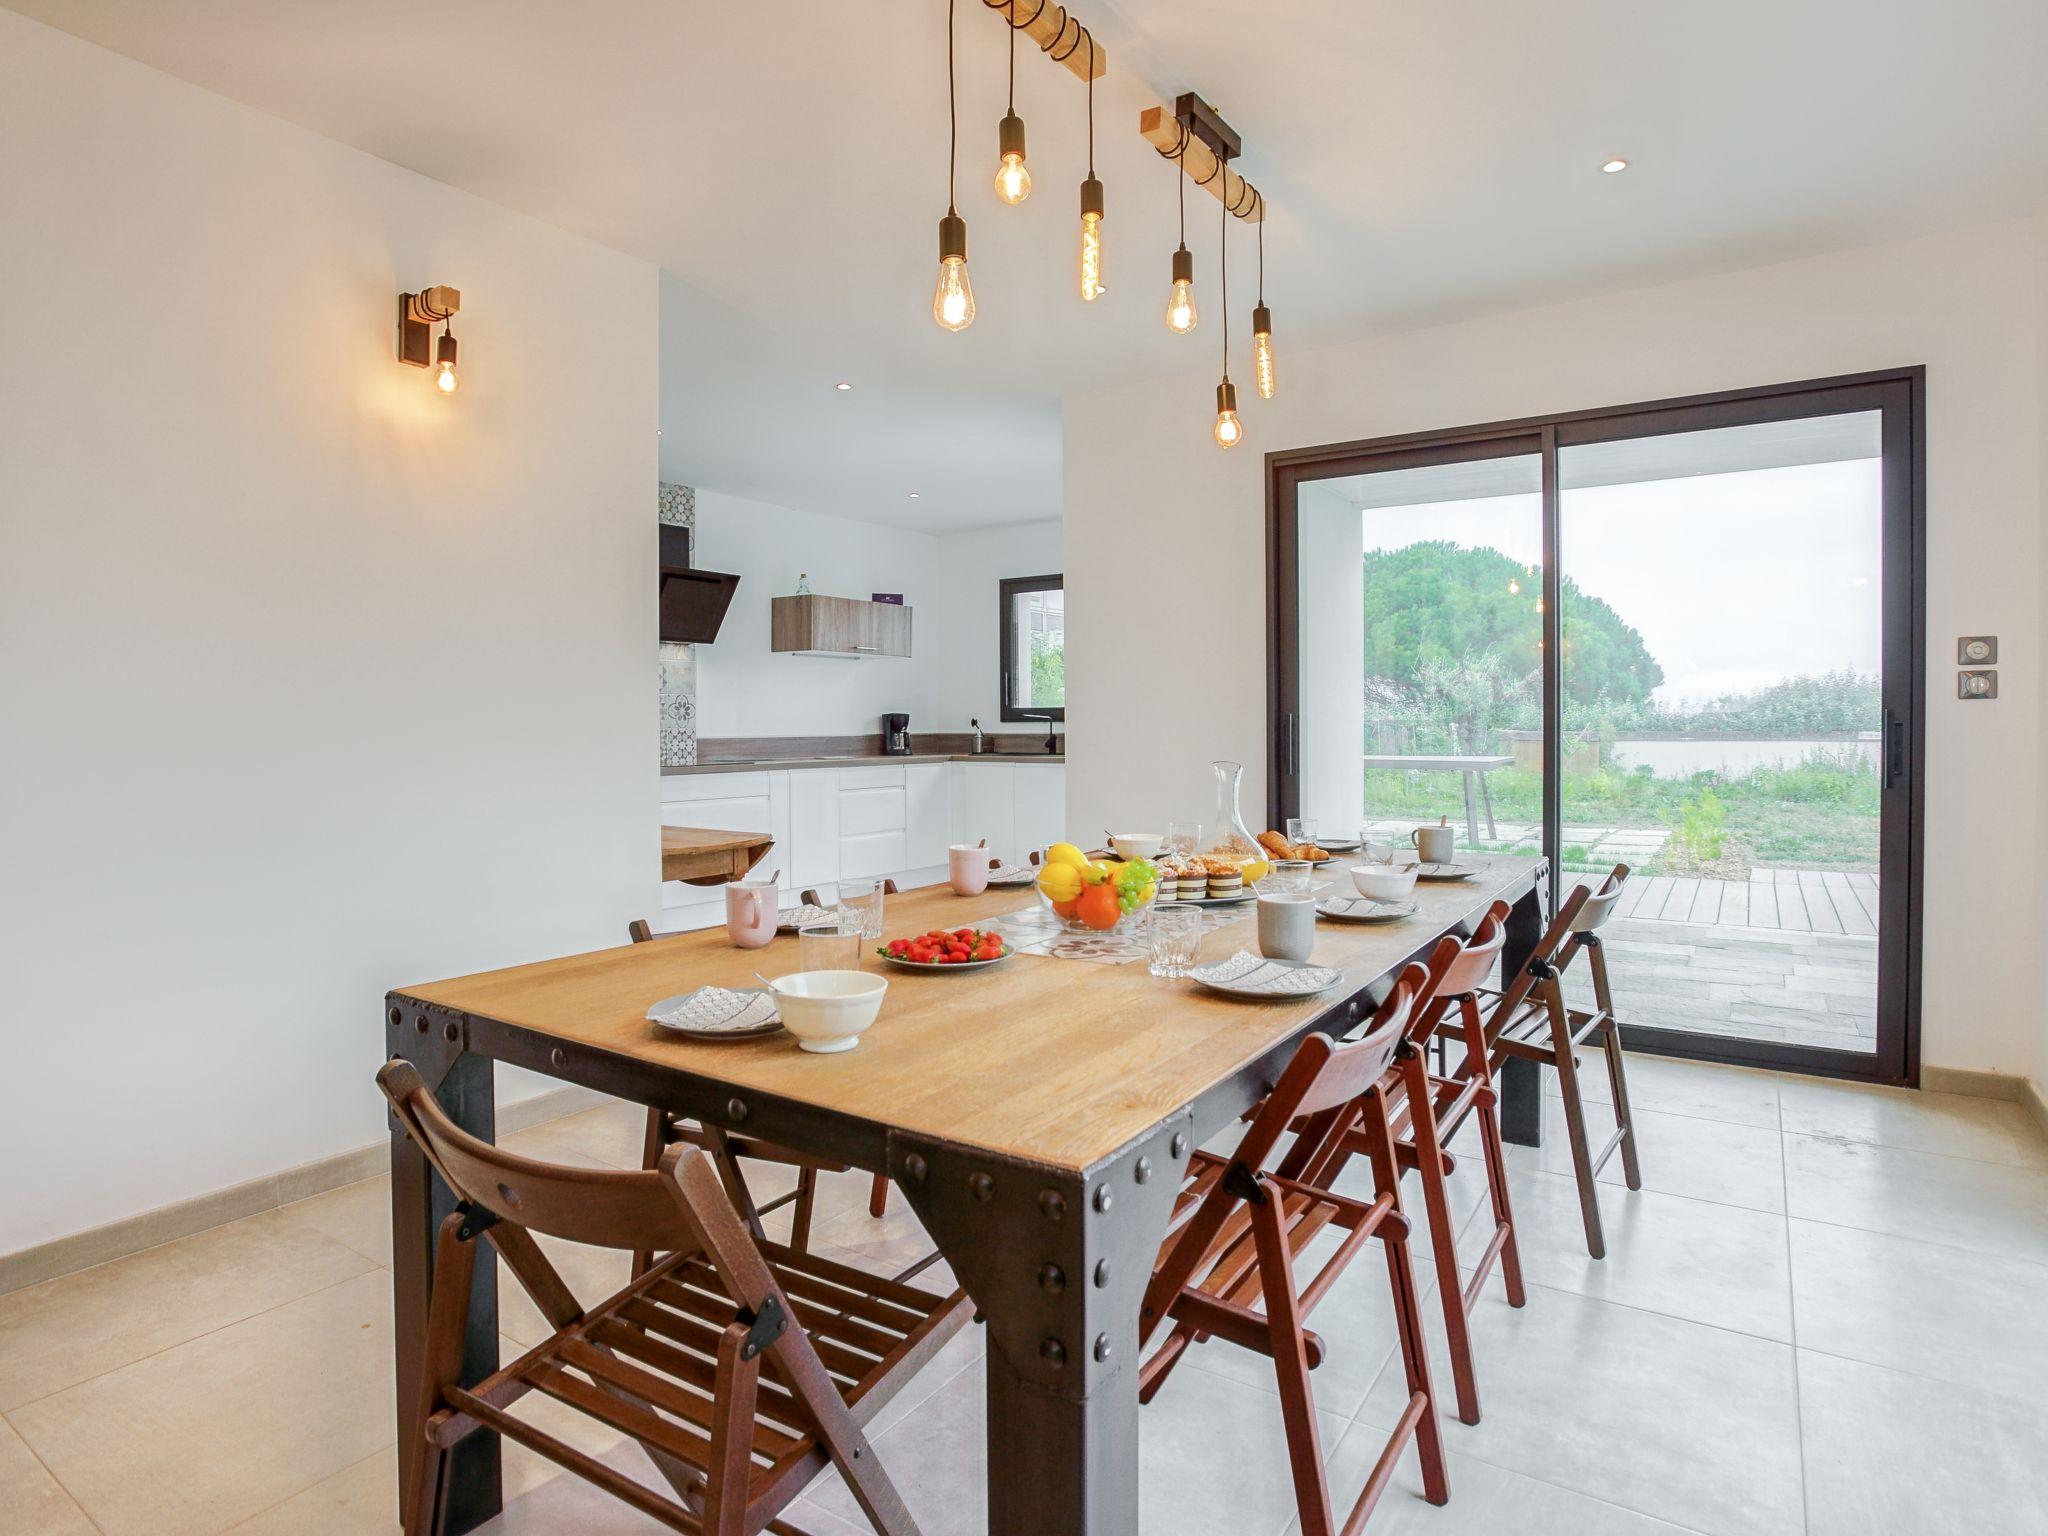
[1037,1115]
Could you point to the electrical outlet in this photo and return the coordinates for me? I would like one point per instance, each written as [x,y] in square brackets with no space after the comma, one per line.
[1976,685]
[1977,651]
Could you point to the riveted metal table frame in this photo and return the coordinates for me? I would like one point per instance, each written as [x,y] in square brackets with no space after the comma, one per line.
[1056,1259]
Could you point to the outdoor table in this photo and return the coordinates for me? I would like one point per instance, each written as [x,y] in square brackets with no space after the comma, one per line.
[1471,767]
[1038,1116]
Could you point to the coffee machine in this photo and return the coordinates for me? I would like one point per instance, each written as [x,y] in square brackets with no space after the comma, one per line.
[896,735]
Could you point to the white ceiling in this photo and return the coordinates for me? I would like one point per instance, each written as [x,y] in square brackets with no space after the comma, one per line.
[1422,162]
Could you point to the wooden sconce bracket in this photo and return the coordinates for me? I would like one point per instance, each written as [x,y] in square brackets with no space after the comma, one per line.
[418,314]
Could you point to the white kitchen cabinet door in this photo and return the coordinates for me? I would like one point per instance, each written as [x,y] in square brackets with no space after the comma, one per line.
[1042,809]
[871,856]
[813,826]
[990,808]
[930,813]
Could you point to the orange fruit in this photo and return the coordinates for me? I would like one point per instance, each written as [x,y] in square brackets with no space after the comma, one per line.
[1066,908]
[1098,907]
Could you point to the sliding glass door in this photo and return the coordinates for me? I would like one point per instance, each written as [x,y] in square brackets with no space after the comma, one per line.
[1681,638]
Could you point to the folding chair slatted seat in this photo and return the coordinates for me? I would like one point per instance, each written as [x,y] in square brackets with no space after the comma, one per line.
[675,1361]
[1226,1270]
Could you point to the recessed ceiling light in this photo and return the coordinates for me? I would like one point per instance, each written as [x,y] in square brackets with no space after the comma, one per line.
[842,384]
[1612,167]
[913,495]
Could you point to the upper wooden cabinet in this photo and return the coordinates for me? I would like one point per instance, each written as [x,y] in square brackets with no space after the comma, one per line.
[838,626]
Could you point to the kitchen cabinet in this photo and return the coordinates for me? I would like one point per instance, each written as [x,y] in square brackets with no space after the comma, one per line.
[988,796]
[864,821]
[928,813]
[812,624]
[1041,810]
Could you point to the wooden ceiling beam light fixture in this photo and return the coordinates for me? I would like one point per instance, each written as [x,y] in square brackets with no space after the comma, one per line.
[418,314]
[1058,33]
[1184,132]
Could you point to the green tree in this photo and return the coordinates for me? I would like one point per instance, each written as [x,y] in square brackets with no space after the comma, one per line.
[1048,672]
[1435,604]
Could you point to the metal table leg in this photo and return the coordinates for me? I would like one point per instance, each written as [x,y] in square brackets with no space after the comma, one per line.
[1471,817]
[432,1041]
[1057,1265]
[1486,800]
[1521,1082]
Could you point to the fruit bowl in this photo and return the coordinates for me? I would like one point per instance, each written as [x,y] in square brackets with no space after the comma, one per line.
[1094,895]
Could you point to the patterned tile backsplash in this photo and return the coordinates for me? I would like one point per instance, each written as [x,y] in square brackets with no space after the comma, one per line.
[678,509]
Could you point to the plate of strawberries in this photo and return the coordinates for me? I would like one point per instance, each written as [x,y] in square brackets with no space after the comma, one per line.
[956,949]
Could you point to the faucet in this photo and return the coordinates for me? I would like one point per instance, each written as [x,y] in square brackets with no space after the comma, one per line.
[1052,740]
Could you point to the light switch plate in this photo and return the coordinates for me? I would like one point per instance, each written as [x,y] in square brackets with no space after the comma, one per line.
[1977,651]
[1976,685]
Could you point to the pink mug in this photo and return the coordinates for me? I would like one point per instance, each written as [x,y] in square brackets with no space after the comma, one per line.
[968,868]
[751,912]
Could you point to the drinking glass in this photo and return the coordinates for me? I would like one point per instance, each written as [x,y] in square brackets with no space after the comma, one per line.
[861,902]
[831,946]
[1302,829]
[1285,876]
[1175,933]
[1183,836]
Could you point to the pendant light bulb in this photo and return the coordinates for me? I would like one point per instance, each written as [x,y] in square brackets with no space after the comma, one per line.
[953,299]
[1013,182]
[1262,349]
[1229,431]
[445,378]
[1180,302]
[1091,240]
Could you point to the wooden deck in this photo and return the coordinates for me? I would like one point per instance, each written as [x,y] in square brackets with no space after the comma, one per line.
[1787,955]
[1789,900]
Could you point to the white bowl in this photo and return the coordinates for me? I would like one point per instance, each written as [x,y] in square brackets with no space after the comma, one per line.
[1136,845]
[1383,882]
[828,1010]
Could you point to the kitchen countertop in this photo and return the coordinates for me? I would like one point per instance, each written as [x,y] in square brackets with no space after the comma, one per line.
[867,760]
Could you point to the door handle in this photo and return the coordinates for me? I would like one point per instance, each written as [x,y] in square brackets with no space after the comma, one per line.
[1894,750]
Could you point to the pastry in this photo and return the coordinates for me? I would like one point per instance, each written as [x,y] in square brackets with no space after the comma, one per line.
[1224,884]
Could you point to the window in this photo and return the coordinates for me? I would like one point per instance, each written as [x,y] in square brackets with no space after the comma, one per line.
[1033,618]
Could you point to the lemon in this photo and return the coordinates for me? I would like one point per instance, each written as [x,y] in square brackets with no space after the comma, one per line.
[1060,882]
[1065,854]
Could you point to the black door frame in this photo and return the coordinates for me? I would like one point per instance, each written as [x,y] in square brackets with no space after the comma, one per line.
[1900,394]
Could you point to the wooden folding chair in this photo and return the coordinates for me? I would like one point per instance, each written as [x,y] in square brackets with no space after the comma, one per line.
[674,1360]
[1531,1020]
[1227,1268]
[1426,1110]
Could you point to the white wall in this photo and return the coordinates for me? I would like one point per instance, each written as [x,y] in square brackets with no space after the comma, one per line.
[314,682]
[949,580]
[1147,490]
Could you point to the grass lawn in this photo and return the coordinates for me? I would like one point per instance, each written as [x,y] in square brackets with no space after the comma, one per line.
[1817,814]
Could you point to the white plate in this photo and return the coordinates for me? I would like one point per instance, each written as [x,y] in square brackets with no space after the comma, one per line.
[1363,909]
[959,965]
[1446,871]
[1012,874]
[718,1013]
[796,918]
[1247,894]
[1249,975]
[1336,844]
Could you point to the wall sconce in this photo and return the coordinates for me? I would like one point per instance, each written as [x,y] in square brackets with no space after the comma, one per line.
[417,315]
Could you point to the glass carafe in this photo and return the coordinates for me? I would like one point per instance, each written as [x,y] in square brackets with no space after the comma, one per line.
[1230,838]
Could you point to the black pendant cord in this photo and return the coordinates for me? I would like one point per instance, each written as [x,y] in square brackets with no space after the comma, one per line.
[1180,177]
[1091,101]
[1262,261]
[952,122]
[1223,278]
[1013,67]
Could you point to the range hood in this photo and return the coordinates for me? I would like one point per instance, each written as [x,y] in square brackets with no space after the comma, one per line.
[693,602]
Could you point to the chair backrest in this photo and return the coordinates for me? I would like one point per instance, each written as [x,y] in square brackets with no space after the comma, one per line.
[602,1208]
[1458,965]
[1552,952]
[638,931]
[1600,904]
[1322,1079]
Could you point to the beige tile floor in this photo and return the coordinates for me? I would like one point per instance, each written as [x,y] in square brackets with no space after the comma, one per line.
[1827,1313]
